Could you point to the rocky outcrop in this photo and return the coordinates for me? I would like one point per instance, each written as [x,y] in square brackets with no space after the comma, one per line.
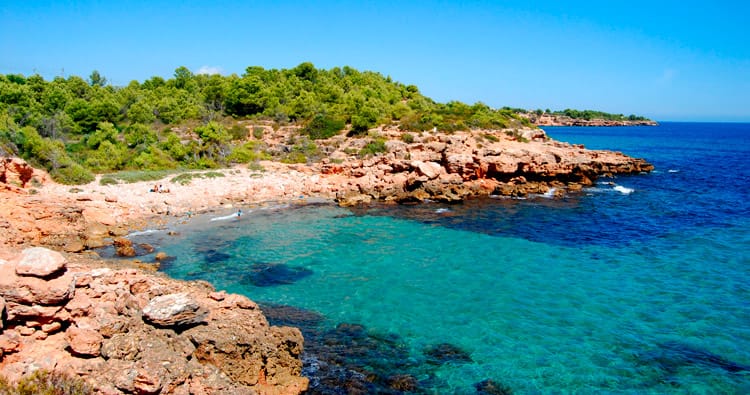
[453,167]
[126,332]
[547,119]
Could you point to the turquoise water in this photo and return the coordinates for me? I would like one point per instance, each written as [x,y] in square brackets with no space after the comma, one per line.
[601,292]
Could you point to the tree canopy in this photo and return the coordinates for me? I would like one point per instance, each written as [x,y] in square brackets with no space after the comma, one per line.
[74,126]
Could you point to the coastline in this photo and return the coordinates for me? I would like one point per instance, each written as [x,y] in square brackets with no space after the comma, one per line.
[436,166]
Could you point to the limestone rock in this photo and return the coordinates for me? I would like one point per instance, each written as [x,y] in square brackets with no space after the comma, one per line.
[40,262]
[123,246]
[85,342]
[431,170]
[173,310]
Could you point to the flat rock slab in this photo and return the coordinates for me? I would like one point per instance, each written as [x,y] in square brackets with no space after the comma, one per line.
[40,262]
[177,309]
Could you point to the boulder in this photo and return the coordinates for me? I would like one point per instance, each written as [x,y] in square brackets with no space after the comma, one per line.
[84,342]
[40,262]
[123,246]
[431,170]
[177,309]
[34,290]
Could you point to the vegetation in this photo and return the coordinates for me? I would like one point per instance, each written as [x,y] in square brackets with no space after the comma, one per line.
[76,127]
[591,114]
[43,382]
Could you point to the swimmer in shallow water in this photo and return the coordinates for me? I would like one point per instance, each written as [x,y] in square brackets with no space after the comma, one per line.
[239,213]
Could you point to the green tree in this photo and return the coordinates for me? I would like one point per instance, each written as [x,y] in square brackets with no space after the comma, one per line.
[96,79]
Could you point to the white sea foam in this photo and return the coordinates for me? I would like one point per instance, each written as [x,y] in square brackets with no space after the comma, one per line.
[623,190]
[224,218]
[673,171]
[442,210]
[549,194]
[143,232]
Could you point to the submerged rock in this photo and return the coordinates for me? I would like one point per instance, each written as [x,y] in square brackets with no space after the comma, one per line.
[491,387]
[446,352]
[270,274]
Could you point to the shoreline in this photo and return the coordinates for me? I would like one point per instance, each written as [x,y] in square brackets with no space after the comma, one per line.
[77,220]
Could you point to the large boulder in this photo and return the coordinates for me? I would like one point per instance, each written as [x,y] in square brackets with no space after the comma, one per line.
[173,310]
[40,262]
[84,342]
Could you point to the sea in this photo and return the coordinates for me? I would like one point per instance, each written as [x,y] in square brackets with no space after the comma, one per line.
[639,284]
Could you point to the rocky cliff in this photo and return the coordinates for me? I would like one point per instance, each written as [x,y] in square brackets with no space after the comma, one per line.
[129,332]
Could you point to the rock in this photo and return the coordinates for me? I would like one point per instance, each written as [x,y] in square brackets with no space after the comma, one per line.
[123,246]
[161,255]
[34,290]
[490,387]
[110,199]
[10,341]
[431,170]
[446,352]
[84,342]
[173,310]
[40,262]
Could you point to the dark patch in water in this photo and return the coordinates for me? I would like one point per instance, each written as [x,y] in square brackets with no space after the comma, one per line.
[270,274]
[491,387]
[214,256]
[283,315]
[348,359]
[444,353]
[671,356]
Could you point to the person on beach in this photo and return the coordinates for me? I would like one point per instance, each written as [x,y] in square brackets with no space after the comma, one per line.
[239,213]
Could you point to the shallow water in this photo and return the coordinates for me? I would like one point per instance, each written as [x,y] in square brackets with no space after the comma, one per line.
[638,285]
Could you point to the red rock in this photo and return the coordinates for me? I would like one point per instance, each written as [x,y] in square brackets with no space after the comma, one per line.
[10,341]
[39,262]
[84,342]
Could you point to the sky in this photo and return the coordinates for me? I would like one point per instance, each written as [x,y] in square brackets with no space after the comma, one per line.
[667,60]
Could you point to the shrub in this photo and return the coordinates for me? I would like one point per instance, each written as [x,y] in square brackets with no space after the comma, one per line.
[238,132]
[43,382]
[407,138]
[74,174]
[258,132]
[108,181]
[323,127]
[187,178]
[374,147]
[491,137]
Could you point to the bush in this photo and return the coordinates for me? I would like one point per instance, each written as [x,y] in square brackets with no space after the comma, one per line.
[374,147]
[74,174]
[136,176]
[43,382]
[258,132]
[408,138]
[238,132]
[108,181]
[187,178]
[323,127]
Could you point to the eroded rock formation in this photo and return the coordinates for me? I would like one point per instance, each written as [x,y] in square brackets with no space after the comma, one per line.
[124,331]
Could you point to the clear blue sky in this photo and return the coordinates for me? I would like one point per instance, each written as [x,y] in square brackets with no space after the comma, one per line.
[669,60]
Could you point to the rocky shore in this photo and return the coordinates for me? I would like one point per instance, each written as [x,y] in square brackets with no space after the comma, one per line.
[562,120]
[130,330]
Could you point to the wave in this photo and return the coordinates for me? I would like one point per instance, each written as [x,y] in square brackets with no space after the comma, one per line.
[549,194]
[673,171]
[224,218]
[623,190]
[442,210]
[143,232]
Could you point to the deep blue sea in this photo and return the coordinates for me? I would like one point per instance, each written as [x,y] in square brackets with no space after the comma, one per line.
[640,284]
